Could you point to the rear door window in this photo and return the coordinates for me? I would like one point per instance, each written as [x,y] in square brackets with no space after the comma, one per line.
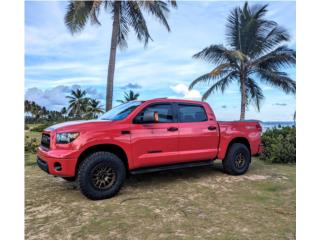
[191,113]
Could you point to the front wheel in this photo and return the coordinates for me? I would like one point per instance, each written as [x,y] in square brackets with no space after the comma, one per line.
[237,160]
[101,175]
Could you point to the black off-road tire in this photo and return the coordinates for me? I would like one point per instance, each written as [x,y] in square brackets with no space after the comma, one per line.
[231,162]
[70,179]
[86,173]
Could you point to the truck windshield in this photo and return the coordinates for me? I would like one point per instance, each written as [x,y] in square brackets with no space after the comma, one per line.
[120,112]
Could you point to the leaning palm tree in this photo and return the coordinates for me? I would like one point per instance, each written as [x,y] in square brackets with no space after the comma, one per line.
[78,103]
[94,108]
[129,96]
[125,15]
[255,51]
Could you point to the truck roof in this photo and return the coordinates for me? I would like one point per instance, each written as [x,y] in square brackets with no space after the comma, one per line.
[173,100]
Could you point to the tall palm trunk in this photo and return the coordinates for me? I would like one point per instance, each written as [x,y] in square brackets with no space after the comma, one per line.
[113,52]
[243,97]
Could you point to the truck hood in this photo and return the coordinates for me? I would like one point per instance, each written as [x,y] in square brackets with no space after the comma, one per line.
[76,124]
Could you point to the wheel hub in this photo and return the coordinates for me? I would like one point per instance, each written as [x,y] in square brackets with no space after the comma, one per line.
[240,160]
[103,177]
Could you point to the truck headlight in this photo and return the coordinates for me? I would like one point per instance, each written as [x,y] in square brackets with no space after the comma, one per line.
[66,137]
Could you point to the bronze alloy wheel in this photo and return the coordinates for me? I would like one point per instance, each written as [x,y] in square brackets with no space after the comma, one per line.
[240,161]
[103,177]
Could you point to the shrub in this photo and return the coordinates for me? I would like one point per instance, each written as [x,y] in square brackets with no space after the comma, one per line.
[40,128]
[279,145]
[26,127]
[30,144]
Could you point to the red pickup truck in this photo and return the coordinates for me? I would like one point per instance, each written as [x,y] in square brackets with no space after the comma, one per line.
[145,136]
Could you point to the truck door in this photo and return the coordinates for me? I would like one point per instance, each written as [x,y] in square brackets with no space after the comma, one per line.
[198,134]
[155,143]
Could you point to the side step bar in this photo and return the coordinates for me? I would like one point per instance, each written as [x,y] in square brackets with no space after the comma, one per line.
[172,167]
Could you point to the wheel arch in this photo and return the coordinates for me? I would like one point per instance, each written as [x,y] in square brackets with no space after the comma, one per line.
[242,140]
[112,148]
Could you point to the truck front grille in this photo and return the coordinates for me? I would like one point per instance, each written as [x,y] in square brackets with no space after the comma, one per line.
[45,140]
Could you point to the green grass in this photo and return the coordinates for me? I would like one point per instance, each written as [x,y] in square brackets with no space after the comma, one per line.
[201,203]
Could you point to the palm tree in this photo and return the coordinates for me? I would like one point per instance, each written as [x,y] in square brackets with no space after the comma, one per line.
[94,108]
[43,112]
[63,111]
[129,96]
[78,103]
[33,109]
[37,111]
[125,15]
[256,51]
[27,106]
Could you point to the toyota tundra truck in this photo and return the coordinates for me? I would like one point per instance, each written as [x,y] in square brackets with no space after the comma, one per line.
[145,136]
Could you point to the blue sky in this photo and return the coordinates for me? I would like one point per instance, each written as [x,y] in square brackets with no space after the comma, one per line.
[56,61]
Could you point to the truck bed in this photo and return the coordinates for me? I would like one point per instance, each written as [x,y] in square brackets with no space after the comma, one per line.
[249,130]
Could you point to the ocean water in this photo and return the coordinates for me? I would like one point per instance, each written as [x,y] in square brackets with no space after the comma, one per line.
[267,125]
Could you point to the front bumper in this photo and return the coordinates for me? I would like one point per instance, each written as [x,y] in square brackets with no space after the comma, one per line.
[64,167]
[42,164]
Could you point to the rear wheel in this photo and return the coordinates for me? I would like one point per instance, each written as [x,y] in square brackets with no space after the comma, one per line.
[237,160]
[101,175]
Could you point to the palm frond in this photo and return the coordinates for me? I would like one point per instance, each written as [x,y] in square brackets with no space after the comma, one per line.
[138,22]
[95,9]
[233,29]
[218,70]
[254,93]
[259,11]
[277,79]
[123,27]
[78,13]
[206,78]
[159,9]
[221,85]
[173,3]
[218,54]
[281,57]
[277,35]
[108,5]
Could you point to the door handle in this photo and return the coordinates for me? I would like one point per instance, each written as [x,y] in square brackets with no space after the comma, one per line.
[172,129]
[212,128]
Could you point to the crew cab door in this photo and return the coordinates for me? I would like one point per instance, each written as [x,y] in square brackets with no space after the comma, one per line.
[155,143]
[198,134]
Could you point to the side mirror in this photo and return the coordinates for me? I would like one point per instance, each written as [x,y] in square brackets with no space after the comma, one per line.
[151,117]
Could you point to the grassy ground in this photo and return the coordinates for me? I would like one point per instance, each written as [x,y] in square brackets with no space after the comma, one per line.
[200,203]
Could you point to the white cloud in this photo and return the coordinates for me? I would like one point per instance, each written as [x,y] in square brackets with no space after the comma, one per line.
[185,93]
[55,98]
